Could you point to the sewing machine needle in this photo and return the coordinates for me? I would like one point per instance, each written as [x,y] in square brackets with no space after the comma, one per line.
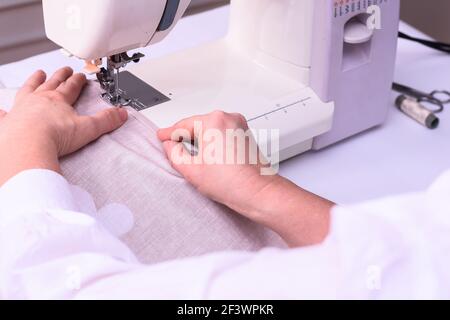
[116,90]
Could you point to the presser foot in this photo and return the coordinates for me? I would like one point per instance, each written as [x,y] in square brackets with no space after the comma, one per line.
[109,79]
[116,101]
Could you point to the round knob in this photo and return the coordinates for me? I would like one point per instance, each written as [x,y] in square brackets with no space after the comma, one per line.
[356,32]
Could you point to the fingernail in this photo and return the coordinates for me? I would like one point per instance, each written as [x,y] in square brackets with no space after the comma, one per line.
[123,114]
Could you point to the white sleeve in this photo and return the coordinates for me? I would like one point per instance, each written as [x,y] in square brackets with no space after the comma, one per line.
[50,249]
[387,249]
[396,248]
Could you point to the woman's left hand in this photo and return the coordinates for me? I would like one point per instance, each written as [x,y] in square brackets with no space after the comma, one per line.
[43,125]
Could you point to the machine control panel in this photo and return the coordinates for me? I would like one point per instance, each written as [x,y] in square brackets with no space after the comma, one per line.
[349,7]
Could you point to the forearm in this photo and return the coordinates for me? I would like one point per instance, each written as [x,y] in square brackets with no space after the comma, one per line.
[20,152]
[298,216]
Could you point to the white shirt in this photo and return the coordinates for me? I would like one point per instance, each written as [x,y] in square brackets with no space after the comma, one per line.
[392,248]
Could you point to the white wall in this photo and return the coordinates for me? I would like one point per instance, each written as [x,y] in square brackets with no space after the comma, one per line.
[22,28]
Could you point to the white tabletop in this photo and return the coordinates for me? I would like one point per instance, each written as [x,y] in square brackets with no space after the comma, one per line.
[399,157]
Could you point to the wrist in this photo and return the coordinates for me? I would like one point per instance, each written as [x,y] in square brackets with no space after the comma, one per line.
[261,206]
[298,216]
[249,187]
[21,152]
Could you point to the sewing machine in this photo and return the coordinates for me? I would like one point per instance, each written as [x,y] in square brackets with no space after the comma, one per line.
[315,70]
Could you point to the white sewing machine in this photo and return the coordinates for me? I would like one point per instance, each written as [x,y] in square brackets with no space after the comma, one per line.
[313,69]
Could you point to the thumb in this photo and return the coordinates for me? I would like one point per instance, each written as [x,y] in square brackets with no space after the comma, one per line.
[109,120]
[105,121]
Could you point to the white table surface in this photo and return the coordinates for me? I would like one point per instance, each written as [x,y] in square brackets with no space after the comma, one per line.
[399,157]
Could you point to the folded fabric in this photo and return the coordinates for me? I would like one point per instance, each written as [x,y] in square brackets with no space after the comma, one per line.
[144,201]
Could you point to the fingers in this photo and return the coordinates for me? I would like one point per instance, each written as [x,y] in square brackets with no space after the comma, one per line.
[240,119]
[56,80]
[93,127]
[2,114]
[217,119]
[179,158]
[187,125]
[72,87]
[36,80]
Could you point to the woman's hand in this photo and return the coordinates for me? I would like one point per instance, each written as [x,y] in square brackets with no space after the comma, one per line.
[211,176]
[47,107]
[300,217]
[43,125]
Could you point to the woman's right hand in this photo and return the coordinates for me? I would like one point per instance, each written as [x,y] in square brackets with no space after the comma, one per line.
[225,180]
[232,174]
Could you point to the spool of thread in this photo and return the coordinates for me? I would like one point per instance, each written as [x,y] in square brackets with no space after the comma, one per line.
[415,110]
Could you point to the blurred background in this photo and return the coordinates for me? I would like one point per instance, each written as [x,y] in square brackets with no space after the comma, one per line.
[22,30]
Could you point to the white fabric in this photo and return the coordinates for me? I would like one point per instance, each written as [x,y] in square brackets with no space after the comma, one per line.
[391,248]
